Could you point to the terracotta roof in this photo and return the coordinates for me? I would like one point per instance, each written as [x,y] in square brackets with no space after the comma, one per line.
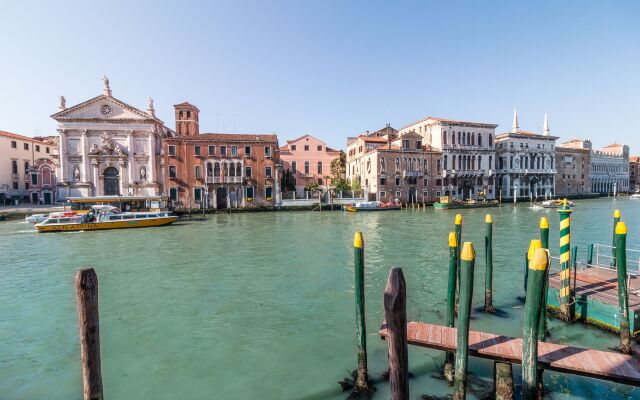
[186,104]
[453,121]
[231,137]
[373,139]
[20,137]
[634,158]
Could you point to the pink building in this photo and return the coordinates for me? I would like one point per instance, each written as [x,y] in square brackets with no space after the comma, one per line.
[309,159]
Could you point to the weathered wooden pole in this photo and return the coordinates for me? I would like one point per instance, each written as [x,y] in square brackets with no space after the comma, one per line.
[623,299]
[458,231]
[87,296]
[488,257]
[544,242]
[566,303]
[361,327]
[467,265]
[535,287]
[451,301]
[616,219]
[503,381]
[395,313]
[590,255]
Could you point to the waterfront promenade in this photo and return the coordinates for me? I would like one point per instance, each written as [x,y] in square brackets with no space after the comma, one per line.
[261,305]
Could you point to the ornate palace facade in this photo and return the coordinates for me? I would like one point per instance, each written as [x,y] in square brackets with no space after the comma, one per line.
[108,147]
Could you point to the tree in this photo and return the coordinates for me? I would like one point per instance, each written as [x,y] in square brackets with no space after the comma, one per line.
[288,181]
[338,170]
[312,187]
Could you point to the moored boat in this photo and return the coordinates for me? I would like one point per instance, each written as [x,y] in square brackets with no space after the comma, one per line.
[371,206]
[104,217]
[555,203]
[446,203]
[635,196]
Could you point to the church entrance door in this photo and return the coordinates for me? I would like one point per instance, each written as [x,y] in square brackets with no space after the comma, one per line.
[111,182]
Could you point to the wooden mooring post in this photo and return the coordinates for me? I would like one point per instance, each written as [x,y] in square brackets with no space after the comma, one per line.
[458,231]
[488,258]
[614,240]
[451,301]
[395,314]
[567,305]
[86,284]
[502,381]
[623,296]
[544,242]
[535,288]
[362,377]
[534,245]
[467,264]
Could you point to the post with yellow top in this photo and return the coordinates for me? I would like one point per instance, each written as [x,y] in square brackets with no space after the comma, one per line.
[533,246]
[538,266]
[362,378]
[458,231]
[488,257]
[451,300]
[544,242]
[623,296]
[566,303]
[467,265]
[616,219]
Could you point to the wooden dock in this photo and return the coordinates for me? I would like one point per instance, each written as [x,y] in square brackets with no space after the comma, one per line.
[605,365]
[600,284]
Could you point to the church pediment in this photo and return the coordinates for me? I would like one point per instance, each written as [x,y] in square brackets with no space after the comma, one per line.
[103,108]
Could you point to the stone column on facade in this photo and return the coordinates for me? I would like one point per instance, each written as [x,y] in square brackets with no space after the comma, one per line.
[131,166]
[96,179]
[151,173]
[63,155]
[123,165]
[84,149]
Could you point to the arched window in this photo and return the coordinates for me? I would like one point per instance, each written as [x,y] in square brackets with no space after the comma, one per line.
[473,139]
[453,138]
[306,167]
[368,165]
[188,114]
[445,161]
[438,165]
[232,169]
[26,166]
[294,167]
[180,114]
[209,169]
[444,137]
[490,140]
[426,164]
[216,169]
[397,164]
[46,176]
[453,162]
[479,139]
[320,167]
[238,169]
[479,162]
[382,165]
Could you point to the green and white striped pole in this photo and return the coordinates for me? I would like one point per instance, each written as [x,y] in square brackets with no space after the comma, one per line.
[544,241]
[488,257]
[451,301]
[616,219]
[623,296]
[362,378]
[467,265]
[566,304]
[535,287]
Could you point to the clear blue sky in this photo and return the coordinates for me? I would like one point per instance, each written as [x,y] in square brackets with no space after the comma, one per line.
[330,68]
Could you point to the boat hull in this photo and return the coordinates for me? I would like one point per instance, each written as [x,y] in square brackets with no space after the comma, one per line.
[94,226]
[356,209]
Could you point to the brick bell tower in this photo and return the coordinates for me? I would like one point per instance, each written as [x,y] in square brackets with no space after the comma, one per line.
[187,119]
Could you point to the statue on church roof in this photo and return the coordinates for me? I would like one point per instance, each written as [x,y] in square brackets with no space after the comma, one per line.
[107,88]
[63,103]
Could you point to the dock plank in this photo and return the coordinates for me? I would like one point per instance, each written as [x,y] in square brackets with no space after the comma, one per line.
[605,365]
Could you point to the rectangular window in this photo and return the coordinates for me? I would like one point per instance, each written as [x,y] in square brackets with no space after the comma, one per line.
[398,194]
[212,150]
[14,144]
[223,151]
[397,181]
[383,181]
[14,166]
[172,150]
[267,172]
[234,151]
[198,171]
[405,143]
[173,194]
[34,179]
[249,193]
[268,192]
[247,172]
[15,185]
[47,150]
[319,148]
[383,195]
[38,148]
[418,144]
[247,151]
[197,194]
[197,150]
[293,147]
[26,146]
[426,182]
[267,151]
[26,185]
[306,147]
[172,172]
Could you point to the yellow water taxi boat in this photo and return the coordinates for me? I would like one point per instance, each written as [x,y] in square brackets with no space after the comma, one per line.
[105,217]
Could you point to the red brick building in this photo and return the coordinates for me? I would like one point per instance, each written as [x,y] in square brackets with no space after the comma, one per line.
[218,170]
[634,173]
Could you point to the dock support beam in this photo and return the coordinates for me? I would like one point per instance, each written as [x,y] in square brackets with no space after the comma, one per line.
[566,302]
[535,286]
[451,301]
[467,264]
[488,254]
[503,381]
[623,299]
[362,378]
[395,313]
[87,296]
[616,219]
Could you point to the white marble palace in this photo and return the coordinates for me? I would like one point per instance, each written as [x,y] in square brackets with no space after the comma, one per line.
[108,147]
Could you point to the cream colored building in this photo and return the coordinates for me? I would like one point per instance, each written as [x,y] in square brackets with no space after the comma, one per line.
[28,169]
[108,147]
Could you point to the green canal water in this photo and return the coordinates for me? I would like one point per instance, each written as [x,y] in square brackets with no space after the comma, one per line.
[248,306]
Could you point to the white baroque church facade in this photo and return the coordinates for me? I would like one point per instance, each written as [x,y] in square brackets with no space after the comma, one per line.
[109,148]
